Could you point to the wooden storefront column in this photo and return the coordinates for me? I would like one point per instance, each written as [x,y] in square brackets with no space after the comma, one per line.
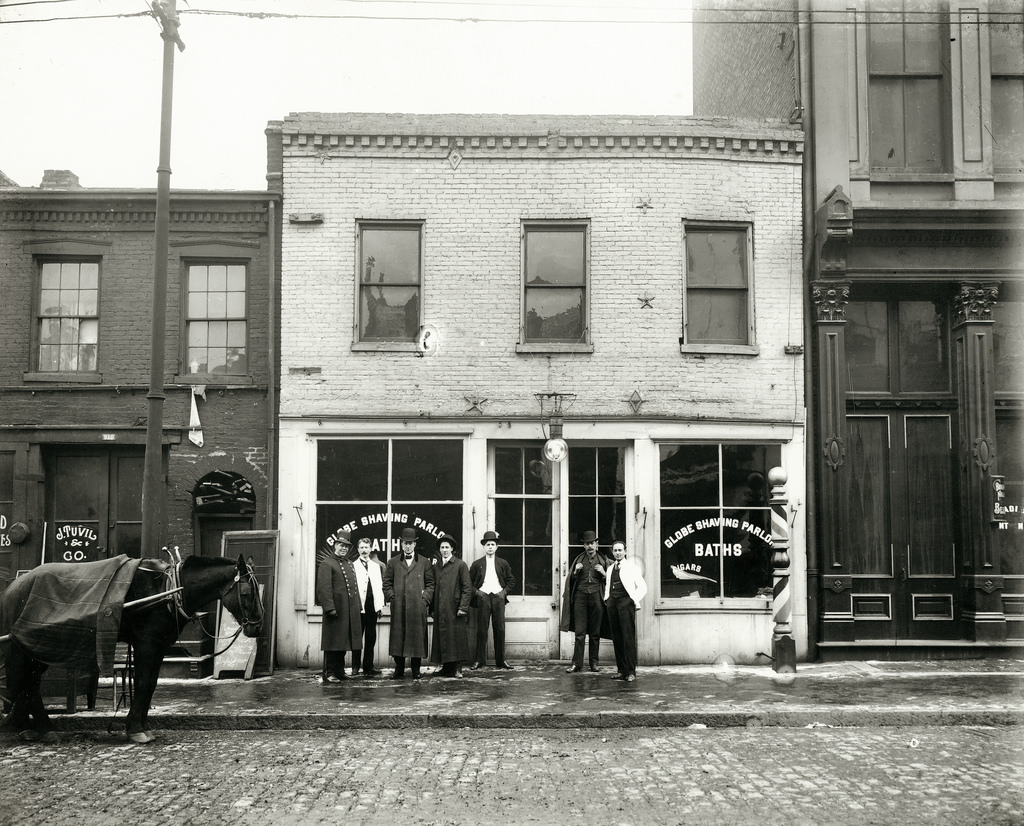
[983,616]
[830,299]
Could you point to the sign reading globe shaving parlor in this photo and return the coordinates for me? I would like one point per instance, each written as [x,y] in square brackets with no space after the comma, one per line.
[709,554]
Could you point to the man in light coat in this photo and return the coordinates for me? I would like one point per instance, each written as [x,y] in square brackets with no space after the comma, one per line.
[409,586]
[371,598]
[624,587]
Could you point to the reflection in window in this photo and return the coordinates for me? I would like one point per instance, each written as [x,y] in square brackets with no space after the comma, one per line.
[1008,345]
[1006,38]
[375,488]
[523,503]
[68,316]
[1010,457]
[715,523]
[389,282]
[217,329]
[717,286]
[597,496]
[555,261]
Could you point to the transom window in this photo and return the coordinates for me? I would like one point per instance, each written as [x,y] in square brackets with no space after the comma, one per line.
[717,308]
[390,281]
[217,327]
[555,267]
[68,316]
[906,77]
[715,521]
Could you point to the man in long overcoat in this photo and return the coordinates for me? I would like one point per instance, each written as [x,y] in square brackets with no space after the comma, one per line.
[337,591]
[409,587]
[583,611]
[452,595]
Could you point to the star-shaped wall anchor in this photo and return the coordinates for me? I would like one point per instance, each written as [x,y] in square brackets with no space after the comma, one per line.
[475,403]
[645,301]
[635,401]
[324,156]
[644,204]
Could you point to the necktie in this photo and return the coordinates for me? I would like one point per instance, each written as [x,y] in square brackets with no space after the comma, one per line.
[616,564]
[364,564]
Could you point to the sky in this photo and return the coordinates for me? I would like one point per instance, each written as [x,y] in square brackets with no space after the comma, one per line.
[84,93]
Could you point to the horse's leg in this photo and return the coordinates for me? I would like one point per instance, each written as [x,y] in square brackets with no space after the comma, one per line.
[36,706]
[148,655]
[28,712]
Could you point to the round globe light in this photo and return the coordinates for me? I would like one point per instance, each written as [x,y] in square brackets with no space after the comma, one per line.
[555,450]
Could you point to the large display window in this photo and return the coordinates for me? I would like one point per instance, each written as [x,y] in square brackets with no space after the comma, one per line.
[715,522]
[374,488]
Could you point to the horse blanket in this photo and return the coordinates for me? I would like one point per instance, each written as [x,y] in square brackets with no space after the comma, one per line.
[68,614]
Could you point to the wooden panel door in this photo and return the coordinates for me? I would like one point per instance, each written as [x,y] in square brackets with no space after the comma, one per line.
[902,533]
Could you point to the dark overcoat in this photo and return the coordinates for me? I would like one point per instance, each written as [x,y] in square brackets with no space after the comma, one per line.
[567,620]
[452,593]
[338,590]
[410,591]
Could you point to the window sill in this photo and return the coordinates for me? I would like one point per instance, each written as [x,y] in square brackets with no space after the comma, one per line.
[219,379]
[384,347]
[910,176]
[695,604]
[554,347]
[720,349]
[64,378]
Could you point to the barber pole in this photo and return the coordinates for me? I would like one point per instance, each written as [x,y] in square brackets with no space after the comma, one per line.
[783,645]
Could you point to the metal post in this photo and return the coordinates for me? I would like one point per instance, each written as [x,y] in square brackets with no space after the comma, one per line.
[783,645]
[153,495]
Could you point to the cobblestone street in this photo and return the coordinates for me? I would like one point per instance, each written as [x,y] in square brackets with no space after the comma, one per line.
[935,775]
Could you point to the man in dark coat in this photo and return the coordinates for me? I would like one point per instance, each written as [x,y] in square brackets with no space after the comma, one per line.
[453,593]
[492,579]
[583,611]
[409,587]
[337,591]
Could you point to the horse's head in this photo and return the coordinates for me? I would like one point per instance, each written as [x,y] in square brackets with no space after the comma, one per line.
[242,599]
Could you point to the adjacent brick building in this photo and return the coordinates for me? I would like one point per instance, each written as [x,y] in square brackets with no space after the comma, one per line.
[76,274]
[456,288]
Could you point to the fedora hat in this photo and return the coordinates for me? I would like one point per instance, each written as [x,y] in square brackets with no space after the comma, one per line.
[449,539]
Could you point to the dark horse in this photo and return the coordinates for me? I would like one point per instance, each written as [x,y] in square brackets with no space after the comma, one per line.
[150,626]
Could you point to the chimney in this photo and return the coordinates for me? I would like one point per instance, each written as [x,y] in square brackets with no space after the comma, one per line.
[59,179]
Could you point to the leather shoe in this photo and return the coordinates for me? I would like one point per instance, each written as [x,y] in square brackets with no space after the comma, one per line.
[330,678]
[476,666]
[416,675]
[619,676]
[594,668]
[398,675]
[631,678]
[573,669]
[372,672]
[505,666]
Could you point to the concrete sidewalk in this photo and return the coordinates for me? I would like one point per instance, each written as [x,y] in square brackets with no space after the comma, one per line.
[541,695]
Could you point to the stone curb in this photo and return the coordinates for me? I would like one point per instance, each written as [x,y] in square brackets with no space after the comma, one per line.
[836,718]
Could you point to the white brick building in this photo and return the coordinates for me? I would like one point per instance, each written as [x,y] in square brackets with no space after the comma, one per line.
[449,279]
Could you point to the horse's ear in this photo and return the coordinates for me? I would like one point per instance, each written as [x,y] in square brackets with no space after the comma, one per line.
[241,563]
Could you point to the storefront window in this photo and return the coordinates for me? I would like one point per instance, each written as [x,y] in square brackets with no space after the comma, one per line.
[597,496]
[715,520]
[1008,536]
[376,487]
[523,503]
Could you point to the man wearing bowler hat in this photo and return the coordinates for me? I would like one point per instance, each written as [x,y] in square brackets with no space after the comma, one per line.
[492,579]
[583,611]
[409,587]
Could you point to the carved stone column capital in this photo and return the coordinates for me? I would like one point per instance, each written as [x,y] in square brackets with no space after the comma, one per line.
[830,299]
[974,302]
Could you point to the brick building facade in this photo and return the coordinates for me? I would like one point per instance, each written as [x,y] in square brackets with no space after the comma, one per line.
[455,287]
[76,274]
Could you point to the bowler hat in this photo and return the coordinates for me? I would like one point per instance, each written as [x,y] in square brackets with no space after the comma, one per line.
[489,536]
[409,535]
[589,536]
[449,539]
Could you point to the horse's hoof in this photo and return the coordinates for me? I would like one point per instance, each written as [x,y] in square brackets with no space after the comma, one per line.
[141,737]
[28,735]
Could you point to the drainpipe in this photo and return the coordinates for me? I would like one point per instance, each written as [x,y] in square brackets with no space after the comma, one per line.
[804,68]
[272,366]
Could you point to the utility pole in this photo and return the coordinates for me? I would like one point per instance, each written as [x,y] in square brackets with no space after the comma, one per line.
[154,506]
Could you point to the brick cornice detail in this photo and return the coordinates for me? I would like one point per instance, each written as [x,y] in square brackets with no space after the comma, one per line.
[127,217]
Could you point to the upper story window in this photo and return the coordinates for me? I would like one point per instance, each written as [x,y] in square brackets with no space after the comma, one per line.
[907,76]
[1006,39]
[390,281]
[216,319]
[718,315]
[68,316]
[556,266]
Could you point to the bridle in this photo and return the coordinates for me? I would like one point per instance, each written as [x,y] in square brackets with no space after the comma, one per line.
[246,586]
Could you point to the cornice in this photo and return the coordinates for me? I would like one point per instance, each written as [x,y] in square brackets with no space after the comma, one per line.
[501,137]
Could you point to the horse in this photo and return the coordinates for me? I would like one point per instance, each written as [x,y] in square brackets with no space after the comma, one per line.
[160,600]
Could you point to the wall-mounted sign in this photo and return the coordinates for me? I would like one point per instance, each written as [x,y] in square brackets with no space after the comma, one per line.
[76,543]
